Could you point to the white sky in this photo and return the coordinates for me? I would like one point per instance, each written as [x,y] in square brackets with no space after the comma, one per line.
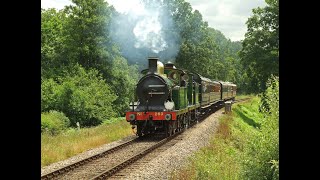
[227,16]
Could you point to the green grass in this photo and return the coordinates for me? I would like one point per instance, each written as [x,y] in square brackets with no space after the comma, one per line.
[72,142]
[243,96]
[224,157]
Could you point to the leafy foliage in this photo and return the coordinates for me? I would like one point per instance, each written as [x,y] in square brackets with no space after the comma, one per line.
[53,122]
[87,39]
[83,96]
[83,73]
[52,42]
[260,52]
[123,82]
[264,149]
[197,49]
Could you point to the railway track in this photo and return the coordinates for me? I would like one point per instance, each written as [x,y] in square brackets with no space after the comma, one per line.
[139,164]
[150,152]
[109,172]
[95,166]
[106,164]
[80,163]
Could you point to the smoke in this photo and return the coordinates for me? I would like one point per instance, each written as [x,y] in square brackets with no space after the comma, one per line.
[148,33]
[143,30]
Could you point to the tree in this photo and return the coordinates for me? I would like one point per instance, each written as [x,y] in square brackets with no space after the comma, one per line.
[78,37]
[52,42]
[260,53]
[123,81]
[203,49]
[88,41]
[198,51]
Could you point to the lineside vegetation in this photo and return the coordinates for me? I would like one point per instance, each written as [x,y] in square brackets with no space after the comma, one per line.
[246,145]
[73,141]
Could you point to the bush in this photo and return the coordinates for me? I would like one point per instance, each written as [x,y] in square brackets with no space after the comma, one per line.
[54,122]
[83,96]
[264,148]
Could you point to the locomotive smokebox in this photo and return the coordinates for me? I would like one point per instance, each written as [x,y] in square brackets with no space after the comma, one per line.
[153,65]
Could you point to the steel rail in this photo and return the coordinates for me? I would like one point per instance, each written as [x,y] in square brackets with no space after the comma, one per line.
[79,163]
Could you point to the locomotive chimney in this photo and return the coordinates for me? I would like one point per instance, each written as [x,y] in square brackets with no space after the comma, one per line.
[152,65]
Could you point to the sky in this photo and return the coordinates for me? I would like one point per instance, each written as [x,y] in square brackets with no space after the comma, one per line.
[227,16]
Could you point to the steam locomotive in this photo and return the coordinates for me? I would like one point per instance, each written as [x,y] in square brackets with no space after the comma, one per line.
[170,99]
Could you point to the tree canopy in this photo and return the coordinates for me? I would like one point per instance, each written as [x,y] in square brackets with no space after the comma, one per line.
[260,52]
[83,73]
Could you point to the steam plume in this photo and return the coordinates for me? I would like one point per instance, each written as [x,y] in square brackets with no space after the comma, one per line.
[143,31]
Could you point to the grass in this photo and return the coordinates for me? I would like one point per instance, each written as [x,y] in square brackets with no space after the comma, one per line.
[72,142]
[223,158]
[241,96]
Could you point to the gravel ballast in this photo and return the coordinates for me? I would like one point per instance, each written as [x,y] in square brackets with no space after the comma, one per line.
[166,162]
[176,156]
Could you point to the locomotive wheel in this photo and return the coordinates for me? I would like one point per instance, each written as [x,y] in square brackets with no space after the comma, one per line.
[139,131]
[180,123]
[189,119]
[186,120]
[196,115]
[169,129]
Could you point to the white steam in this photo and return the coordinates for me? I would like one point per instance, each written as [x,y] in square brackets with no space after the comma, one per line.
[148,33]
[148,30]
[144,30]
